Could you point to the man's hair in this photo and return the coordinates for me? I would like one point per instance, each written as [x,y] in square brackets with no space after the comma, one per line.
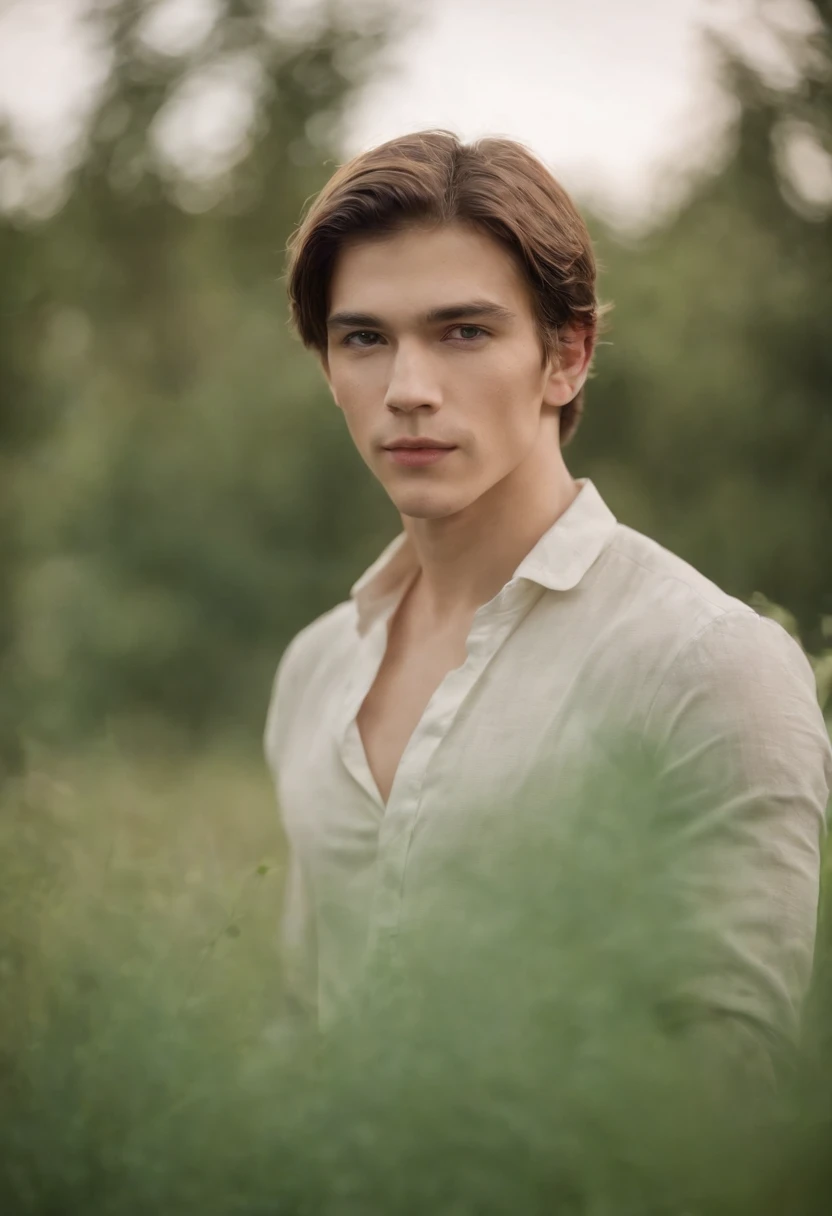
[495,185]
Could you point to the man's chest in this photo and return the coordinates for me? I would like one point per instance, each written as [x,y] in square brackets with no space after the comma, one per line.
[398,699]
[450,740]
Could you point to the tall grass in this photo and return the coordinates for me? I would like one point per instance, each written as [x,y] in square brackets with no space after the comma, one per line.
[511,1060]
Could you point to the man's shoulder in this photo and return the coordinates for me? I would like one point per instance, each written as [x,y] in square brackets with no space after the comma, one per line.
[326,635]
[313,649]
[649,569]
[680,622]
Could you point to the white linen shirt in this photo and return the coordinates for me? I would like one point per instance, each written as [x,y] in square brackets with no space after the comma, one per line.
[599,626]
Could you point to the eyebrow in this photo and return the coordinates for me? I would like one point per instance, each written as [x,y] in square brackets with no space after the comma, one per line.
[449,312]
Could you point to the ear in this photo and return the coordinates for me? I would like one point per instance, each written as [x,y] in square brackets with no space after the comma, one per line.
[569,365]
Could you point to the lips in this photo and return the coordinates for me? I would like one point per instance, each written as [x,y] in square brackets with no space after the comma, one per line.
[418,457]
[419,446]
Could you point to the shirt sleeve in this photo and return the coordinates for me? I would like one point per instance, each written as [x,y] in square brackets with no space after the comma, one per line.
[745,768]
[297,937]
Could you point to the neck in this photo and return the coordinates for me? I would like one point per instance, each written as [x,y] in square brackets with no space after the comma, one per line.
[465,559]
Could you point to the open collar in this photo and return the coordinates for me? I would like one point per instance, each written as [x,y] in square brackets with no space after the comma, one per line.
[558,561]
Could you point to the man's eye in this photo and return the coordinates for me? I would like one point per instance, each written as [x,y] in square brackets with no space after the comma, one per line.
[360,334]
[469,332]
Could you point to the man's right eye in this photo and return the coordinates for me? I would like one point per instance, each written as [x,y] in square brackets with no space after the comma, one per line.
[360,334]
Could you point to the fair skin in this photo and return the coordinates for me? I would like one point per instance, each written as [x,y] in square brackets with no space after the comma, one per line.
[476,380]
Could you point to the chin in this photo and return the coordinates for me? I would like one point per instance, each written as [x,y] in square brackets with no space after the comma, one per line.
[426,505]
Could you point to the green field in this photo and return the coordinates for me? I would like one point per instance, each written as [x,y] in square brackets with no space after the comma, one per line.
[140,902]
[145,1065]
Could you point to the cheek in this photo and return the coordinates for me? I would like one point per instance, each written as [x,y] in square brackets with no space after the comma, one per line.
[359,424]
[510,406]
[359,386]
[350,392]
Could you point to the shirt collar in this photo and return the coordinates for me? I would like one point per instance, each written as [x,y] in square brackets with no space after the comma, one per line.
[558,561]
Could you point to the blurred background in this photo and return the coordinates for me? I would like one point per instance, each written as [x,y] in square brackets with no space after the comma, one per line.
[178,495]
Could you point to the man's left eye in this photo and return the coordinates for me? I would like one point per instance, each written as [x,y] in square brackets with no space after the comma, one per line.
[469,332]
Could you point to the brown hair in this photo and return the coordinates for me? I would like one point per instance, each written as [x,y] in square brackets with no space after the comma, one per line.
[496,185]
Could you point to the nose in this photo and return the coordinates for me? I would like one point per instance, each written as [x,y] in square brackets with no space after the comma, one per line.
[413,381]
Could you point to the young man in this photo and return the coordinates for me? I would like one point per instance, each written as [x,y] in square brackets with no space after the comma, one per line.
[449,293]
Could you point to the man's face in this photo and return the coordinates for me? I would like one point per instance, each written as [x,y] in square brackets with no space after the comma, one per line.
[431,335]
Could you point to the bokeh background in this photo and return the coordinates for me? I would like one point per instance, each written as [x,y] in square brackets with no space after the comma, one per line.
[178,495]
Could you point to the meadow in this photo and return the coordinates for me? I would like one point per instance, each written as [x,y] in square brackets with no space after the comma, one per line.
[146,1062]
[139,975]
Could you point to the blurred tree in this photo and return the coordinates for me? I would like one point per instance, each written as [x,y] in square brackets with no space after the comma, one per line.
[22,314]
[710,425]
[185,496]
[11,252]
[194,498]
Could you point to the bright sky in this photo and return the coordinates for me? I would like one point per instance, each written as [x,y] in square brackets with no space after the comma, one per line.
[604,90]
[609,92]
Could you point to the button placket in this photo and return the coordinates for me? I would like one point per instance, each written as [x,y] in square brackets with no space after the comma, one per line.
[353,757]
[497,620]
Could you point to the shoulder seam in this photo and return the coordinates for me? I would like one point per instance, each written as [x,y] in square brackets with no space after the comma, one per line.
[676,579]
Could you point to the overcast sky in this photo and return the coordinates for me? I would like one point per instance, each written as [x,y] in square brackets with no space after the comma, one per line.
[607,91]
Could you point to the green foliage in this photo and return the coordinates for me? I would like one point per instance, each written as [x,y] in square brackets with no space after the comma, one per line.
[179,495]
[129,1016]
[515,1062]
[186,497]
[709,425]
